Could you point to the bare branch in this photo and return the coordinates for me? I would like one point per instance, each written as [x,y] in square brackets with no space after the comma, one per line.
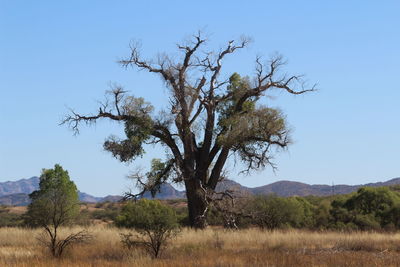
[135,60]
[150,182]
[231,48]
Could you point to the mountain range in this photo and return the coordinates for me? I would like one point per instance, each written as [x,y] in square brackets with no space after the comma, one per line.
[17,192]
[290,188]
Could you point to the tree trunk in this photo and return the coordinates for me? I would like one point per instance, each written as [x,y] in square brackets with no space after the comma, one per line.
[197,204]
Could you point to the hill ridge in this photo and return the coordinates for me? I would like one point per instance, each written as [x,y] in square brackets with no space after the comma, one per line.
[16,192]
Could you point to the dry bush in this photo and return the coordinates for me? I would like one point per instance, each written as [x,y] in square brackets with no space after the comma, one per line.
[58,245]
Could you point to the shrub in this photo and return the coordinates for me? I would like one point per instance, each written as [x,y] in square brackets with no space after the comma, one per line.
[272,212]
[154,222]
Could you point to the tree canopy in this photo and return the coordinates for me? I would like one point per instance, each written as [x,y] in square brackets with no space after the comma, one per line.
[56,202]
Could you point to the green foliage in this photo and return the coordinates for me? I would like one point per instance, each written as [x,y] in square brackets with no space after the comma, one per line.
[249,129]
[273,212]
[370,200]
[391,218]
[321,214]
[237,87]
[147,214]
[155,223]
[137,130]
[366,222]
[306,216]
[395,188]
[182,216]
[56,202]
[367,209]
[249,122]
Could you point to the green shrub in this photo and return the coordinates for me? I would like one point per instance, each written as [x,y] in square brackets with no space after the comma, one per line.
[272,212]
[154,222]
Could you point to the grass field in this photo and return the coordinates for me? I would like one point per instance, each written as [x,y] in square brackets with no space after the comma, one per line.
[212,247]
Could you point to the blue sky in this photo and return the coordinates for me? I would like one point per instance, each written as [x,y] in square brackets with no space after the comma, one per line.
[55,55]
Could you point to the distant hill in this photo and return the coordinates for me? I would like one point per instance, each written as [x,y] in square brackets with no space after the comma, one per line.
[111,198]
[25,186]
[167,191]
[289,188]
[280,188]
[236,188]
[88,198]
[18,199]
[16,192]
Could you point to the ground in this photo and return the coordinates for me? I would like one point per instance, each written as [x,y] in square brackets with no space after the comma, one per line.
[211,247]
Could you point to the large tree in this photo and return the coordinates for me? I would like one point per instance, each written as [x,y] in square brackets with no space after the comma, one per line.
[208,119]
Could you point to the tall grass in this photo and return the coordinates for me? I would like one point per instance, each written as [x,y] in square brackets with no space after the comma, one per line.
[211,247]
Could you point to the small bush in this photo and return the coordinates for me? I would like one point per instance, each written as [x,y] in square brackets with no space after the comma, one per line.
[271,212]
[154,222]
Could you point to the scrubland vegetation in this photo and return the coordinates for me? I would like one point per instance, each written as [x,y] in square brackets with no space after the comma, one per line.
[371,209]
[359,229]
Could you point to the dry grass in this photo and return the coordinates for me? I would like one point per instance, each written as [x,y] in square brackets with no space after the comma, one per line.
[17,209]
[212,247]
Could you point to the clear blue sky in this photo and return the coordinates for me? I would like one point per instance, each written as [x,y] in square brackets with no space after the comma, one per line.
[59,54]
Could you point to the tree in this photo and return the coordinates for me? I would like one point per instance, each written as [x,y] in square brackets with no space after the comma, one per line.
[369,200]
[55,204]
[155,223]
[369,208]
[208,119]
